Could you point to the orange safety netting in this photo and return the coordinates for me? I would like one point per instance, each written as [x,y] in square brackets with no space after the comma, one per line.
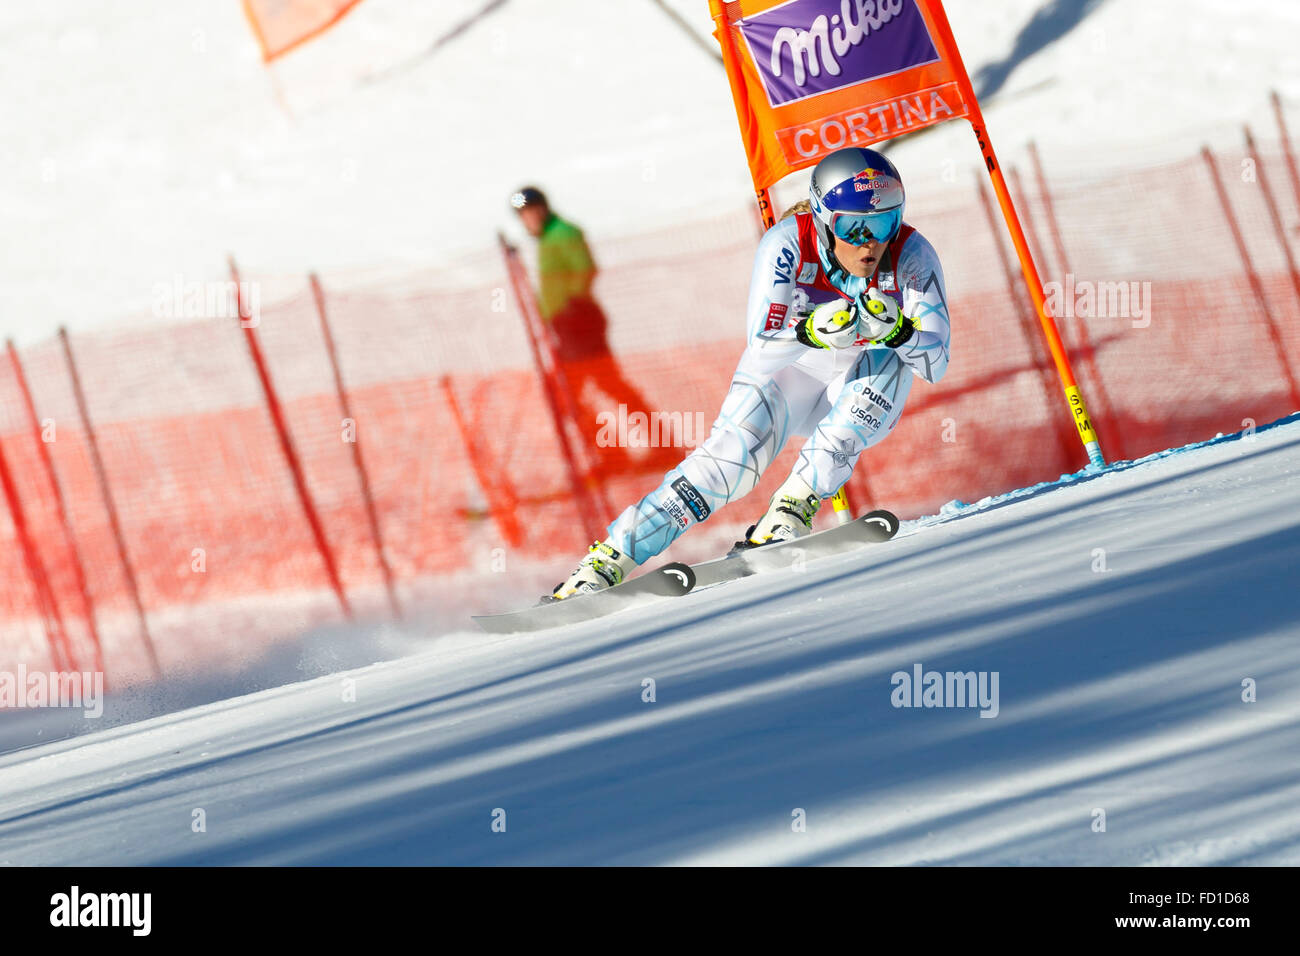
[460,445]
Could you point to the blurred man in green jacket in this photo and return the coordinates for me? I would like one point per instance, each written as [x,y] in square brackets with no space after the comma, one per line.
[566,271]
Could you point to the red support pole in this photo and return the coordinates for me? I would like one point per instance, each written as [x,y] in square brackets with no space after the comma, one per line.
[548,343]
[286,446]
[43,447]
[1030,231]
[1273,213]
[101,475]
[55,635]
[1108,415]
[589,507]
[1049,208]
[1286,146]
[1073,396]
[501,503]
[372,514]
[1026,320]
[1028,220]
[1253,278]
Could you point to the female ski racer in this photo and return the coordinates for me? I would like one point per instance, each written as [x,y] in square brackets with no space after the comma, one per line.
[846,306]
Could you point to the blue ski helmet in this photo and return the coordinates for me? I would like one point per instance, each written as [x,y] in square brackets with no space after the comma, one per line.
[856,194]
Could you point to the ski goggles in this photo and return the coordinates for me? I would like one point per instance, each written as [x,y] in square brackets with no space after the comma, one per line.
[859,228]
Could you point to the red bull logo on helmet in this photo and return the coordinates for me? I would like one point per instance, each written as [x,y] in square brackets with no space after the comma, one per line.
[869,179]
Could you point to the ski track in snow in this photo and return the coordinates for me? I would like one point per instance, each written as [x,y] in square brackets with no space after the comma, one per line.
[1119,691]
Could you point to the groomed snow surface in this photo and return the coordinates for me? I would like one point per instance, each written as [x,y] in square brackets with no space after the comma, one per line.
[1120,691]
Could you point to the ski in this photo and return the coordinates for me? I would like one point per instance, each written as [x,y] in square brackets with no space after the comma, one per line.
[671,580]
[871,528]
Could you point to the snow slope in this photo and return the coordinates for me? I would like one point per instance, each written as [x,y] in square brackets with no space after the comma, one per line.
[146,141]
[1119,691]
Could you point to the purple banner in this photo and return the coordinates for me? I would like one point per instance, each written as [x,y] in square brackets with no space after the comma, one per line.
[807,47]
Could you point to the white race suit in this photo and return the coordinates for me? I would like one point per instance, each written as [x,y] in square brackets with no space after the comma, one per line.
[844,400]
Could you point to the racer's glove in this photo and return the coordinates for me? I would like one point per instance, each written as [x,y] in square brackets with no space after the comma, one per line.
[833,325]
[881,321]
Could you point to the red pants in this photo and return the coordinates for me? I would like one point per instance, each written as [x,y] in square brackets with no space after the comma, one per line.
[585,358]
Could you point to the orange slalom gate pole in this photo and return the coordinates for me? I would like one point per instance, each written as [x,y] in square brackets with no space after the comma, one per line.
[729,62]
[1078,409]
[840,500]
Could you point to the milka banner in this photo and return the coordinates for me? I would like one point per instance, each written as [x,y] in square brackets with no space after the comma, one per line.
[812,76]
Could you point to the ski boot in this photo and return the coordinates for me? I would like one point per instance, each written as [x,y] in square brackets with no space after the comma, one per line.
[789,515]
[603,567]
